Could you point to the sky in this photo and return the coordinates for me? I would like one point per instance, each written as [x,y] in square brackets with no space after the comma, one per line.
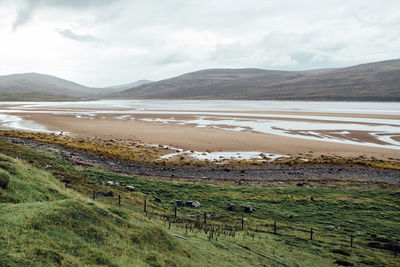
[109,42]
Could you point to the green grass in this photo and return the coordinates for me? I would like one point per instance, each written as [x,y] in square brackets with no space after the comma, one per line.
[44,222]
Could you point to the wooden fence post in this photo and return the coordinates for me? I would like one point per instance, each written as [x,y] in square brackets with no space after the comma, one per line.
[94,194]
[119,200]
[144,206]
[175,211]
[205,217]
[351,241]
[311,234]
[274,227]
[242,222]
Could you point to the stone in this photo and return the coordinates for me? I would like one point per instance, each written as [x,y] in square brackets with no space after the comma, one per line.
[196,204]
[101,183]
[248,209]
[116,184]
[330,228]
[110,183]
[130,188]
[179,203]
[106,194]
[156,199]
[189,203]
[231,207]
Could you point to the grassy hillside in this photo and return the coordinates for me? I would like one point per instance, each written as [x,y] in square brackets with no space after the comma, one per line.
[48,217]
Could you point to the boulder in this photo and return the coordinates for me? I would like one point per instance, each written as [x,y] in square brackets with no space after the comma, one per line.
[189,203]
[116,184]
[130,188]
[231,207]
[196,204]
[110,183]
[179,203]
[106,194]
[330,228]
[248,209]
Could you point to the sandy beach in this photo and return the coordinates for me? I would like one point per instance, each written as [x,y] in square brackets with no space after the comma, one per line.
[285,132]
[202,139]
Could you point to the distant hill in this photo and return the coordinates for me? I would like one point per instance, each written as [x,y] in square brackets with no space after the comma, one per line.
[42,87]
[40,84]
[128,85]
[378,81]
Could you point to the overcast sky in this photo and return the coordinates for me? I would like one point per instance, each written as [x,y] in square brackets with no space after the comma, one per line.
[108,42]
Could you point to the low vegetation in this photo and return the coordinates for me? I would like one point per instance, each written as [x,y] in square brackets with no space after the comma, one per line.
[49,217]
[132,151]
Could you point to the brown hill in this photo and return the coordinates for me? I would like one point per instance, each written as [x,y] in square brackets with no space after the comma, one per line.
[378,81]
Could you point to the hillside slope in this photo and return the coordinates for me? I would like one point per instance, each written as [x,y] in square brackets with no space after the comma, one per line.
[42,87]
[48,218]
[378,81]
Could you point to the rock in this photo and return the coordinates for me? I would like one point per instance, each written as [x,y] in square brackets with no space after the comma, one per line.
[330,228]
[189,203]
[130,188]
[299,184]
[116,184]
[231,207]
[280,182]
[66,181]
[101,183]
[106,194]
[110,183]
[156,199]
[248,209]
[179,203]
[196,204]
[227,170]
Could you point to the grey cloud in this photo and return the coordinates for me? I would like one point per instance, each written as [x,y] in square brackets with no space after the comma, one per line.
[27,8]
[77,37]
[172,58]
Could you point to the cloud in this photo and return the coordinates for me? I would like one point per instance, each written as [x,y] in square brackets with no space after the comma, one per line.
[27,8]
[77,37]
[149,39]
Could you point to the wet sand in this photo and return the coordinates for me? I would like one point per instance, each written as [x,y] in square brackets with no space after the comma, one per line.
[202,139]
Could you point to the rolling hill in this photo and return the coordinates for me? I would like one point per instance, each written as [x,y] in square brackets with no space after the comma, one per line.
[42,87]
[379,81]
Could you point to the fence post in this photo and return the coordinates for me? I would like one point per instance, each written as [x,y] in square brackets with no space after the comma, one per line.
[274,227]
[119,200]
[144,206]
[205,217]
[242,222]
[311,234]
[351,241]
[175,211]
[94,194]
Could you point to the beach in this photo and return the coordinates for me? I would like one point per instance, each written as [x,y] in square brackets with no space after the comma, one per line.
[290,132]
